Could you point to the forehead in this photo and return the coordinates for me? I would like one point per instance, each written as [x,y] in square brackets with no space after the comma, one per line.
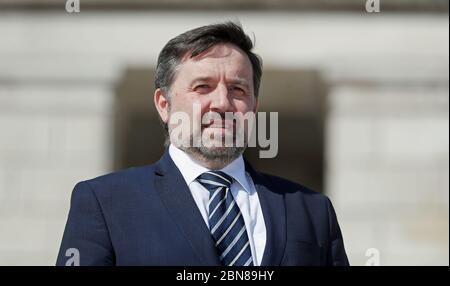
[219,60]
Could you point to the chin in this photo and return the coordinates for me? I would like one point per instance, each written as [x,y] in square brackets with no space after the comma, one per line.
[224,154]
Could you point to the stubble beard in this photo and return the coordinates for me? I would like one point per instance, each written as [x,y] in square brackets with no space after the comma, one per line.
[215,157]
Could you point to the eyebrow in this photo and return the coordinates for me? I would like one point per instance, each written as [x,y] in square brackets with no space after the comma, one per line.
[240,81]
[201,79]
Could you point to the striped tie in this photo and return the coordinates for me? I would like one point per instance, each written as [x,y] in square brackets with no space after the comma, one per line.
[225,220]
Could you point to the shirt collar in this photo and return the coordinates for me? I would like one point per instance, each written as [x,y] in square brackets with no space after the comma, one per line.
[190,169]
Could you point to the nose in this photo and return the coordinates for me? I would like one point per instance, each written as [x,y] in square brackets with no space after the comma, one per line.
[220,100]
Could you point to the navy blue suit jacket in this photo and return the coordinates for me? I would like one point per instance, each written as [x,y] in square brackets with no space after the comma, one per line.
[147,216]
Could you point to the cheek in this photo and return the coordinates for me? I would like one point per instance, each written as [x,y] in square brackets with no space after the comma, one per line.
[245,105]
[180,104]
[200,105]
[192,107]
[187,101]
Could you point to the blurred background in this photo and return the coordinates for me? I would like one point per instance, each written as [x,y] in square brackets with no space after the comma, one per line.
[363,102]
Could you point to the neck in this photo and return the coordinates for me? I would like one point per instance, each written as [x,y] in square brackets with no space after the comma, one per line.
[212,164]
[213,159]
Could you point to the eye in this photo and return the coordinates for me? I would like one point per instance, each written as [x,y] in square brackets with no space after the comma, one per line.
[238,90]
[202,88]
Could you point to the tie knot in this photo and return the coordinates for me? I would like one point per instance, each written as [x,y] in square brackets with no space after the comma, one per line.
[211,180]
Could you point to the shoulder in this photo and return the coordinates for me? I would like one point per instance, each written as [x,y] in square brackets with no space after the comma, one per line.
[118,182]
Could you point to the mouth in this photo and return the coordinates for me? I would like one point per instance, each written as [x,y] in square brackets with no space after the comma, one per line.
[222,125]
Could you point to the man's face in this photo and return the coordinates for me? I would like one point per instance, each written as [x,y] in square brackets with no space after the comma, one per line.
[219,80]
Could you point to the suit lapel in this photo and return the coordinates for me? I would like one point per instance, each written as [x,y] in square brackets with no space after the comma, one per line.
[273,209]
[176,196]
[180,204]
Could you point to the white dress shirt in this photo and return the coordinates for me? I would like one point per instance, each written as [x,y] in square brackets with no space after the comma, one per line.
[242,189]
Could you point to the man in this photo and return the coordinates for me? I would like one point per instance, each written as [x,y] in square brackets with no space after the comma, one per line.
[202,204]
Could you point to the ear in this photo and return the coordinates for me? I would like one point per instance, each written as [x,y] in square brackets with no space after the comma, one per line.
[256,105]
[162,105]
